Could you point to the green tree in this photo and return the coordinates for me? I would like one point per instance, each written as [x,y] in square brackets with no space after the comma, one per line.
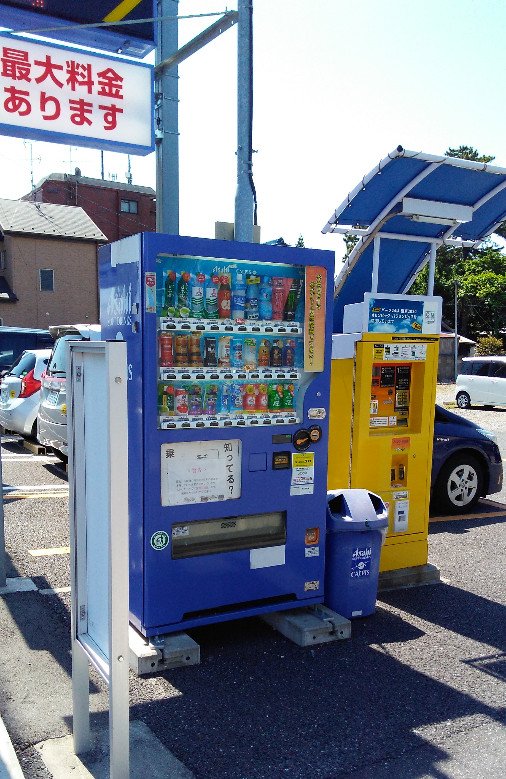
[488,345]
[480,275]
[469,153]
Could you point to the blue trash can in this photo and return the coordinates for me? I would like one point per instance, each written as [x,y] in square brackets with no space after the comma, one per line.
[356,528]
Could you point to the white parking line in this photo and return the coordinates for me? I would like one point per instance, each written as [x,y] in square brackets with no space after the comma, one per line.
[34,487]
[56,550]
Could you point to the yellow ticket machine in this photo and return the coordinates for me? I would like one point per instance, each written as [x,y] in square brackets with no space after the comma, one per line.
[383,388]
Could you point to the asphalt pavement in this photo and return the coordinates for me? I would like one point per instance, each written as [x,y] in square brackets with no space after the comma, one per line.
[417,691]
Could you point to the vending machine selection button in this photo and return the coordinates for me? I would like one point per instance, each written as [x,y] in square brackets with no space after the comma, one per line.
[301,440]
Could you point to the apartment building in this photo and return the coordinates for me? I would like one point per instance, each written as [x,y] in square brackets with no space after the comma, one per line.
[117,209]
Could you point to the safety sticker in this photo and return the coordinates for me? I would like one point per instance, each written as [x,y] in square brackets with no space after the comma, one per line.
[379,422]
[310,586]
[374,407]
[159,540]
[302,482]
[312,551]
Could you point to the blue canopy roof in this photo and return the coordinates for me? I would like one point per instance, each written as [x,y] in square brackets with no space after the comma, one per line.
[410,201]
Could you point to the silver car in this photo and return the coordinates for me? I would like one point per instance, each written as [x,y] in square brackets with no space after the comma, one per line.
[52,416]
[20,392]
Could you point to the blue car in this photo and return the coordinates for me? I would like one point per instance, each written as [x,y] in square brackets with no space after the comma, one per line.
[466,463]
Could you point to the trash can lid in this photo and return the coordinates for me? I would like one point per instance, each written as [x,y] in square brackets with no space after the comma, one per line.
[355,510]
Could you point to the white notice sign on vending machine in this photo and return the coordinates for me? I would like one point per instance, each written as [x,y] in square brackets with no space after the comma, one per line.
[200,472]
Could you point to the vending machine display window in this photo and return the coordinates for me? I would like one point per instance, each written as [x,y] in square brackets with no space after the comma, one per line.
[232,342]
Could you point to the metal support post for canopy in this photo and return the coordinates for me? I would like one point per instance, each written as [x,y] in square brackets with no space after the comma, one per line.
[375,263]
[432,269]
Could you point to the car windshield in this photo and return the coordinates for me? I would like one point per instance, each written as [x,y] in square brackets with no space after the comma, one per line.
[23,365]
[58,362]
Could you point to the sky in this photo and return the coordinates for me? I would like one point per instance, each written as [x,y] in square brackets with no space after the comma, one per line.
[338,84]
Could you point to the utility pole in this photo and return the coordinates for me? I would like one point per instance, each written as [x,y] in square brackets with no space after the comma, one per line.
[245,193]
[167,123]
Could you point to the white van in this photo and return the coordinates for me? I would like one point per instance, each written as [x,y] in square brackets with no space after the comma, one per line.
[482,382]
[52,416]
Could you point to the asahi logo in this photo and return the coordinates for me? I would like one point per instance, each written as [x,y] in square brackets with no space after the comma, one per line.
[362,554]
[119,305]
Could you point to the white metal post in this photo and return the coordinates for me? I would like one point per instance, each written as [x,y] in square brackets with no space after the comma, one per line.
[98,473]
[118,564]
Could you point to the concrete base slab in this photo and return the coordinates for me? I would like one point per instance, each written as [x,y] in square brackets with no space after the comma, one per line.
[19,584]
[148,757]
[408,577]
[311,625]
[149,656]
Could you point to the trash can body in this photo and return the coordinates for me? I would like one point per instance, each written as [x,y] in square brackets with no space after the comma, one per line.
[356,526]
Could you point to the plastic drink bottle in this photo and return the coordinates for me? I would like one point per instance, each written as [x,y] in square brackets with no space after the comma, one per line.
[224,296]
[265,299]
[211,297]
[292,300]
[278,297]
[169,293]
[238,296]
[197,298]
[251,306]
[183,294]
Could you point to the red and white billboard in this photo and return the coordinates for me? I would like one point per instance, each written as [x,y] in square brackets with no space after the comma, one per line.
[65,95]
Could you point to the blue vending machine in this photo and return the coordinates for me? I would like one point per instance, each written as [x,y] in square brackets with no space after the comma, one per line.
[228,394]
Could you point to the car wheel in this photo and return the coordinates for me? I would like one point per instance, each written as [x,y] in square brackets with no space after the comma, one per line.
[463,400]
[459,485]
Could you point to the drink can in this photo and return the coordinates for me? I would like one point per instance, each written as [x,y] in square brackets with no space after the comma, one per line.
[210,355]
[289,354]
[182,356]
[225,398]
[181,401]
[249,397]
[166,350]
[236,353]
[194,349]
[168,400]
[249,353]
[236,392]
[275,397]
[224,351]
[276,355]
[211,399]
[195,400]
[261,398]
[264,351]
